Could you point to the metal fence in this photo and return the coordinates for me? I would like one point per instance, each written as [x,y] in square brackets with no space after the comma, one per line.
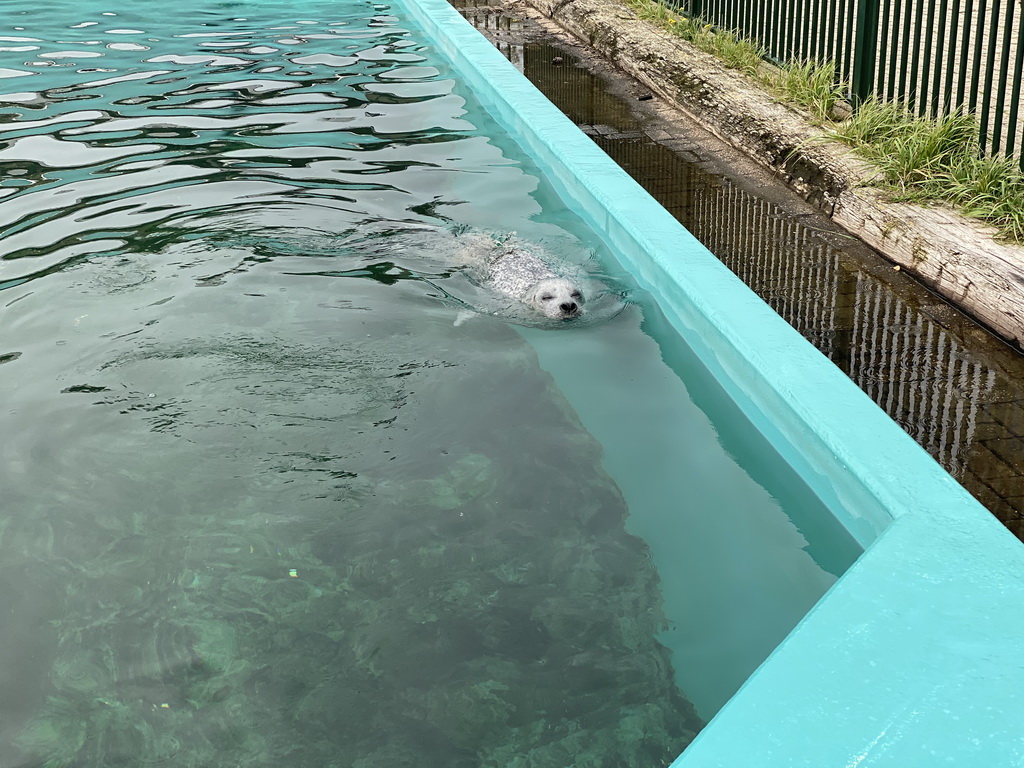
[937,56]
[905,361]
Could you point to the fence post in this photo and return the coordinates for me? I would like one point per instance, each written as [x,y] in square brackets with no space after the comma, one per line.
[865,49]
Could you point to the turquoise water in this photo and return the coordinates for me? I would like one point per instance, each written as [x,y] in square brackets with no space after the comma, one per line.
[265,503]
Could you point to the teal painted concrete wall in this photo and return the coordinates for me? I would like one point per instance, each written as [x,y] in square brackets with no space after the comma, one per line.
[916,656]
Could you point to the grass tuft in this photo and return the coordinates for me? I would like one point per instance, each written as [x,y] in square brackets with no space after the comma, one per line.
[922,160]
[939,160]
[735,52]
[988,188]
[811,85]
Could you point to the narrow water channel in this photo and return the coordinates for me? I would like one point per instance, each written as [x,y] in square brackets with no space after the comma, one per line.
[951,385]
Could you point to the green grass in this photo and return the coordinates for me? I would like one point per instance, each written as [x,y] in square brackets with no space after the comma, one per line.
[991,189]
[811,85]
[910,151]
[651,10]
[920,160]
[938,160]
[735,52]
[808,84]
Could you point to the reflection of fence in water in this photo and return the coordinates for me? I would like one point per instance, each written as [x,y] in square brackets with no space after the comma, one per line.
[919,374]
[504,32]
[908,364]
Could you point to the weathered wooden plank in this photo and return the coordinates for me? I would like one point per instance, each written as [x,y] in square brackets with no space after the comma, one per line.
[956,258]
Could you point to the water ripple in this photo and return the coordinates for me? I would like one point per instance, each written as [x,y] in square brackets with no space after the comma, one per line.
[132,125]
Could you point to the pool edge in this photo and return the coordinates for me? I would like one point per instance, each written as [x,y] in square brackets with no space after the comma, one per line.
[911,656]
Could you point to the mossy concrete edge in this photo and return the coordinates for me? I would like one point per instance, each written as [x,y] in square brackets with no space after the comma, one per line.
[916,656]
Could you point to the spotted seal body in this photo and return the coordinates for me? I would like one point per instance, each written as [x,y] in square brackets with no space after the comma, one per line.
[524,276]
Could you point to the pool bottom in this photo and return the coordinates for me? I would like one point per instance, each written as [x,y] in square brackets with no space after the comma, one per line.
[743,548]
[352,553]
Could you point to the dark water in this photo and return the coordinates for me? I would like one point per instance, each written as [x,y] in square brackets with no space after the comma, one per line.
[264,502]
[954,388]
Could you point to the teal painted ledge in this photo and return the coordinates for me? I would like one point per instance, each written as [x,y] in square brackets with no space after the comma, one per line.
[916,656]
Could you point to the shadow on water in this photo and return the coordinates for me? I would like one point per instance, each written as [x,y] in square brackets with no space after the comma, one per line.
[953,387]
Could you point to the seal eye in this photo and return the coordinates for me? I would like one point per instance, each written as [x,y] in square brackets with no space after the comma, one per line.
[546,297]
[574,295]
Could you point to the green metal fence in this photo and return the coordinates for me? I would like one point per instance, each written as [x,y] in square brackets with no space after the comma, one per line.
[937,56]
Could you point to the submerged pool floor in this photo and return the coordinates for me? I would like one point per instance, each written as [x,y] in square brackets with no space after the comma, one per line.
[957,390]
[265,502]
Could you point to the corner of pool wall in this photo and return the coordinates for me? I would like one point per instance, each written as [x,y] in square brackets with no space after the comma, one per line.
[916,656]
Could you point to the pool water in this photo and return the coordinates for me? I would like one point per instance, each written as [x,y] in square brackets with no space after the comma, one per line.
[265,502]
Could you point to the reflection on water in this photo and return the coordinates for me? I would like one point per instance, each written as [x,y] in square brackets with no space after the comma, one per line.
[265,503]
[956,390]
[255,514]
[935,375]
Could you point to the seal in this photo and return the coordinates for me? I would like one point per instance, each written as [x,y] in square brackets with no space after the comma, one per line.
[511,269]
[526,277]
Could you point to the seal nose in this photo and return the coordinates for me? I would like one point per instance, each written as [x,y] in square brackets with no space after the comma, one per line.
[568,308]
